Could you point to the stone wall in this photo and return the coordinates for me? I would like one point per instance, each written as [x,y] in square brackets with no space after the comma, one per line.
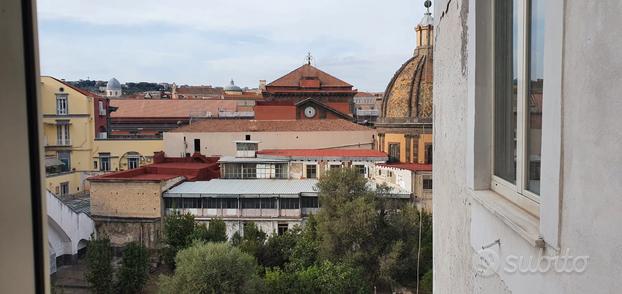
[123,231]
[134,199]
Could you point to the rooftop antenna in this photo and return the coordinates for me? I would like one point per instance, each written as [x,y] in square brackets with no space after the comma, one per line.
[309,58]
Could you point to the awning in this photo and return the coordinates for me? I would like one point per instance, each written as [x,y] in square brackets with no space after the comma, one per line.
[53,161]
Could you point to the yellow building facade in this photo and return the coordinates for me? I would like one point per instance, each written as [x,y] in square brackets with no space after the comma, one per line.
[76,140]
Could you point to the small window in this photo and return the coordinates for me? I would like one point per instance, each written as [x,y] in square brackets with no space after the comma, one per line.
[427,184]
[310,202]
[252,203]
[102,110]
[268,203]
[104,161]
[64,188]
[249,171]
[311,171]
[65,158]
[211,203]
[282,228]
[359,168]
[61,104]
[229,203]
[191,202]
[333,166]
[133,161]
[394,152]
[248,137]
[62,134]
[289,203]
[197,145]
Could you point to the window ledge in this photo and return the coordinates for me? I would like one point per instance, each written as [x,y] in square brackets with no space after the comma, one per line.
[519,220]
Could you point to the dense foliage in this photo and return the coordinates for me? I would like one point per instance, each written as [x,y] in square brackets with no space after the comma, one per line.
[128,88]
[212,268]
[99,268]
[360,240]
[180,230]
[134,269]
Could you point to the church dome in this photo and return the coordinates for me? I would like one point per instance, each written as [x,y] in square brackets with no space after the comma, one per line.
[113,84]
[232,87]
[408,96]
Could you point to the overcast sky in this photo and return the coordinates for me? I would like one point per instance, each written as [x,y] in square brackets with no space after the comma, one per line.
[209,42]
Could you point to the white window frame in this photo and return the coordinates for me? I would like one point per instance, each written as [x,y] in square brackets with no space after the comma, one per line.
[62,108]
[62,135]
[133,158]
[518,192]
[102,110]
[107,161]
[317,170]
[480,131]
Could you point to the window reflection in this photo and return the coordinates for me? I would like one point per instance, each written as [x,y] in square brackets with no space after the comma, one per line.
[506,60]
[536,83]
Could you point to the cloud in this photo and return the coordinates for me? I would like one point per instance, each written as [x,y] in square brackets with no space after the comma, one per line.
[209,42]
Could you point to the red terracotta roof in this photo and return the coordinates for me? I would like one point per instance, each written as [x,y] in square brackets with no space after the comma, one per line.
[243,96]
[145,108]
[199,90]
[323,152]
[191,168]
[368,94]
[244,125]
[409,166]
[293,78]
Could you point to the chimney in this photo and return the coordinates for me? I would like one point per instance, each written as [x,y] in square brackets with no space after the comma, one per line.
[262,85]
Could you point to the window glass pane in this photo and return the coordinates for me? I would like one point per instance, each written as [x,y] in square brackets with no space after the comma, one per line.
[506,59]
[311,171]
[534,99]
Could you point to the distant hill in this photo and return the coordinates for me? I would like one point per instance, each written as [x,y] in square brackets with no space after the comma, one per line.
[129,88]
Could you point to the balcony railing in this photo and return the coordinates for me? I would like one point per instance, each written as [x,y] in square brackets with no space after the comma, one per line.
[64,142]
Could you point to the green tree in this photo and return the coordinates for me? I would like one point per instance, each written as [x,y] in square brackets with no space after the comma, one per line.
[305,251]
[179,230]
[99,268]
[253,240]
[212,268]
[366,228]
[277,250]
[425,285]
[134,269]
[347,222]
[326,277]
[217,230]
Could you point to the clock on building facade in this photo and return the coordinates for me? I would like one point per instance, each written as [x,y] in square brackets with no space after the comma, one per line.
[310,111]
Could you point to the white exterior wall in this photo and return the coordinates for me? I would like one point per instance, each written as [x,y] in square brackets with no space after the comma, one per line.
[66,228]
[268,226]
[580,202]
[400,178]
[221,143]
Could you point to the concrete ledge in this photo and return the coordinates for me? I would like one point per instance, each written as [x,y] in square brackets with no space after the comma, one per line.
[519,220]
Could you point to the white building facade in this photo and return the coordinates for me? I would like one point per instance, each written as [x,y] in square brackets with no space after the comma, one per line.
[527,177]
[275,189]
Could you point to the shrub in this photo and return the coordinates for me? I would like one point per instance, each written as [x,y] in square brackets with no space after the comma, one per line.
[99,268]
[134,269]
[212,268]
